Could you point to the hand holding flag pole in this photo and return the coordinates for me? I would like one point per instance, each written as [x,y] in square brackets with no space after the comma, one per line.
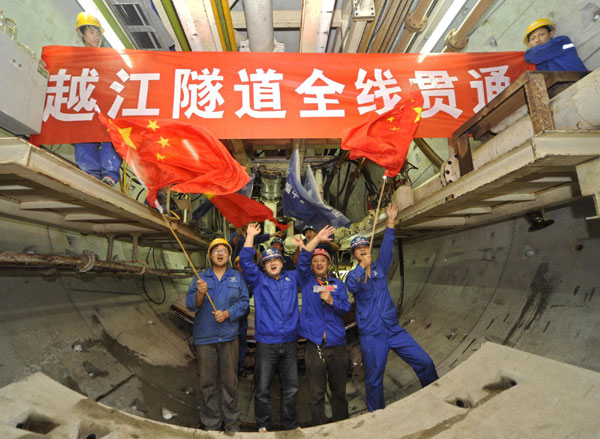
[386,139]
[187,256]
[368,270]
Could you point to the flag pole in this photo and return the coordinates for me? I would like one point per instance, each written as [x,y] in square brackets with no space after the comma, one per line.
[368,272]
[187,256]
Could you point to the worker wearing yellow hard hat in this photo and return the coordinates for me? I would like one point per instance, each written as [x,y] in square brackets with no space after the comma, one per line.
[548,52]
[98,159]
[543,23]
[89,29]
[216,328]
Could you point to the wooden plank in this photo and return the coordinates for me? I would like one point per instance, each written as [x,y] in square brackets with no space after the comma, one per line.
[70,188]
[461,147]
[509,100]
[538,102]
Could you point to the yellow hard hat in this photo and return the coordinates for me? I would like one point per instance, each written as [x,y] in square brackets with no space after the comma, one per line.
[218,241]
[536,25]
[85,19]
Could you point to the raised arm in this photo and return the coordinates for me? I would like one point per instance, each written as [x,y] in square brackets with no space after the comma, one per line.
[253,230]
[386,251]
[324,235]
[249,269]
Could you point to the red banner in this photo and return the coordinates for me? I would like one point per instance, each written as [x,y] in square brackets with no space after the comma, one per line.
[264,95]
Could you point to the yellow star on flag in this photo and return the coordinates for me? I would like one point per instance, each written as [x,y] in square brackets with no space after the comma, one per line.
[395,128]
[391,119]
[125,133]
[160,157]
[153,125]
[164,142]
[418,110]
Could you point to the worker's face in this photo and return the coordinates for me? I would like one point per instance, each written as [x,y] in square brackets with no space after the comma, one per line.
[309,235]
[219,255]
[273,267]
[237,266]
[540,36]
[277,246]
[92,37]
[361,251]
[320,265]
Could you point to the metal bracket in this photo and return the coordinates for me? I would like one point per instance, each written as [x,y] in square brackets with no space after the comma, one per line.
[363,10]
[588,174]
[109,250]
[135,239]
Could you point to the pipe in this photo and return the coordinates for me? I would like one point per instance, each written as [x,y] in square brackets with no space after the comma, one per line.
[259,24]
[457,39]
[176,25]
[414,23]
[83,263]
[431,155]
[224,24]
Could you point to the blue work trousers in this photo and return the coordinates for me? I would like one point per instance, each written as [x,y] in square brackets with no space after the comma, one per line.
[374,351]
[283,358]
[98,159]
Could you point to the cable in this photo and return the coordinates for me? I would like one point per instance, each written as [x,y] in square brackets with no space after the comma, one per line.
[159,278]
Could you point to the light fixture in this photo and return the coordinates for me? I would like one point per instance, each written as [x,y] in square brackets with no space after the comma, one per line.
[442,26]
[110,35]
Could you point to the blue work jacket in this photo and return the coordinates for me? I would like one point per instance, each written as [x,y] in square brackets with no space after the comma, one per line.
[231,294]
[374,307]
[558,54]
[317,316]
[276,315]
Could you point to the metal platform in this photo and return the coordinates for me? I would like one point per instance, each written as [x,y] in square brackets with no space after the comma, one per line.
[37,186]
[544,171]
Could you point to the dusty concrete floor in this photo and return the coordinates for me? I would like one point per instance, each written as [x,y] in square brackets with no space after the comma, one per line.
[498,392]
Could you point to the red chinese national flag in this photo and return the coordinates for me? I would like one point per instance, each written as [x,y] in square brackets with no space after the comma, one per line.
[240,210]
[386,138]
[164,153]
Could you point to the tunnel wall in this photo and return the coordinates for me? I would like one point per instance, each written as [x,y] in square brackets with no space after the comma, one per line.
[535,291]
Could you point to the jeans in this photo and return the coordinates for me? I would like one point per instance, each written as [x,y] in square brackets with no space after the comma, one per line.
[217,362]
[332,366]
[98,159]
[269,359]
[374,350]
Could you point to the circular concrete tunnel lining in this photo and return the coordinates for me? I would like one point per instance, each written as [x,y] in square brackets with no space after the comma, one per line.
[535,291]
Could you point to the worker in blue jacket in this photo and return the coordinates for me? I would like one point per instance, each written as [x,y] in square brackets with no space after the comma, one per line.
[324,304]
[216,337]
[548,52]
[276,331]
[378,326]
[98,159]
[278,244]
